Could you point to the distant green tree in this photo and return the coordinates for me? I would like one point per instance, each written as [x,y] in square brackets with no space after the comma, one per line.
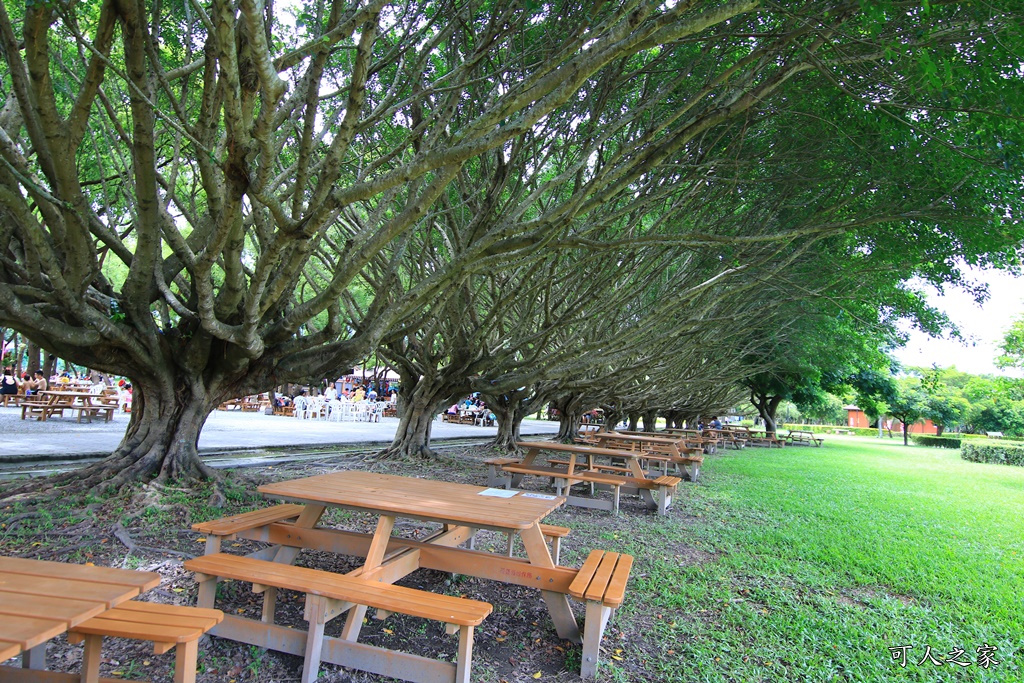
[823,407]
[946,410]
[1004,416]
[1012,346]
[909,403]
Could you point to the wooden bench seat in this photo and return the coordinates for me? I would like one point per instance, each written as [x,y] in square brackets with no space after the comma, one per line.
[664,484]
[225,528]
[600,468]
[495,477]
[166,626]
[768,440]
[43,409]
[89,412]
[601,583]
[329,595]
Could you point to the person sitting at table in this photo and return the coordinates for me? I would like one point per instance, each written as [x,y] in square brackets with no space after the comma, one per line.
[9,383]
[358,395]
[715,423]
[38,383]
[371,395]
[124,398]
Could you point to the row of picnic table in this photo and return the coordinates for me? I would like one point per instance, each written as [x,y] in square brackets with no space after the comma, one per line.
[49,404]
[40,600]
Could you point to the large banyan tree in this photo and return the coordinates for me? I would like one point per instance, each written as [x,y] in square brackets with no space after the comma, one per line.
[191,193]
[190,190]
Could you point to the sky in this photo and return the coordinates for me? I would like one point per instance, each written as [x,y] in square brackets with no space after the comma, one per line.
[982,326]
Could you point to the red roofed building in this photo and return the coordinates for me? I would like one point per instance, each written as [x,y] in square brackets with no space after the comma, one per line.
[855,417]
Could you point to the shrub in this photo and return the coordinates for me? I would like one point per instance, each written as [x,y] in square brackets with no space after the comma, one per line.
[936,441]
[1002,454]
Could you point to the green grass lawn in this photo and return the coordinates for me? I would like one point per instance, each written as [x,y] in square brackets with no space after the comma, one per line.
[795,564]
[814,562]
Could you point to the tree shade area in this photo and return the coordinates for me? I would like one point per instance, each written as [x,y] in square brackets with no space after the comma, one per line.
[655,208]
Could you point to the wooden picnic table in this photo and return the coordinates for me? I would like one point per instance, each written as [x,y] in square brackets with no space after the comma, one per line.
[582,467]
[459,510]
[46,404]
[639,442]
[40,600]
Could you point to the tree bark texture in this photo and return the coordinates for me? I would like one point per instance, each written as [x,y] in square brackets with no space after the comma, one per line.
[570,416]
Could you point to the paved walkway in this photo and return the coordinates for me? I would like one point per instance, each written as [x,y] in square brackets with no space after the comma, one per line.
[57,438]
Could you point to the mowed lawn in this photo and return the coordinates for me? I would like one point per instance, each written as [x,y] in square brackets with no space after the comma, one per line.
[809,564]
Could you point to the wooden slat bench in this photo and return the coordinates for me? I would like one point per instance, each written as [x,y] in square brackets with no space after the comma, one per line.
[495,476]
[225,528]
[601,583]
[166,626]
[105,407]
[328,595]
[9,400]
[766,439]
[664,485]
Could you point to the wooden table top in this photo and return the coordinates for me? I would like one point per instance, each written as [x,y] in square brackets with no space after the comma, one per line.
[423,499]
[40,599]
[645,438]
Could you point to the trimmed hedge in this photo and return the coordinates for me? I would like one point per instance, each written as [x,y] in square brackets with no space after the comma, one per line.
[936,441]
[1001,454]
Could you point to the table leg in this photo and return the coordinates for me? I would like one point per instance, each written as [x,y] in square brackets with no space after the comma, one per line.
[311,514]
[316,609]
[635,469]
[558,603]
[374,556]
[531,455]
[34,658]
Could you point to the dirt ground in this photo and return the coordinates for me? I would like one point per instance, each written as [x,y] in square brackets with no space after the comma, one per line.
[150,531]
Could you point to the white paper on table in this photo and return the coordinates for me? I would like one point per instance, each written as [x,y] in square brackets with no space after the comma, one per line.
[498,493]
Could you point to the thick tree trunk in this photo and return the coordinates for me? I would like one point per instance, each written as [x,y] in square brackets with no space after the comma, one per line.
[414,426]
[612,418]
[766,407]
[650,419]
[509,423]
[510,409]
[423,400]
[33,358]
[634,421]
[570,415]
[939,429]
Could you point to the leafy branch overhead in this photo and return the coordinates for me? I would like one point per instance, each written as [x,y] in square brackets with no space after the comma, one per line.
[216,197]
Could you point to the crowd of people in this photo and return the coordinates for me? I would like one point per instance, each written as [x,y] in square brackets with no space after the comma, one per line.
[34,383]
[27,384]
[344,389]
[475,408]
